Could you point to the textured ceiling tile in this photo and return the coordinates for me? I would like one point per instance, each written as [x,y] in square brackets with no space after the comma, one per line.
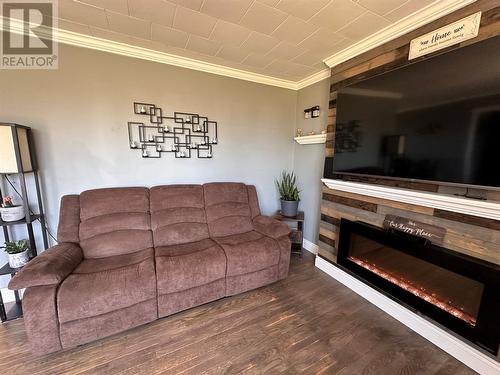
[271,3]
[229,33]
[191,4]
[82,13]
[294,30]
[119,6]
[232,53]
[364,26]
[263,18]
[169,36]
[321,40]
[286,51]
[310,59]
[304,9]
[381,7]
[73,26]
[110,35]
[193,22]
[149,44]
[157,11]
[407,8]
[260,43]
[280,66]
[229,10]
[257,60]
[337,14]
[129,25]
[300,71]
[202,45]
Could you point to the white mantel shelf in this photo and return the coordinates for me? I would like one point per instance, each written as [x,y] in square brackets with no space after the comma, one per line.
[466,206]
[311,139]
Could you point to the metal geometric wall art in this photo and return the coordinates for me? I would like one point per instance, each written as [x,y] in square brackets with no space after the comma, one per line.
[183,134]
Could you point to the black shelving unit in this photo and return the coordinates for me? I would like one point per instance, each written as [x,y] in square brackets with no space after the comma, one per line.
[33,213]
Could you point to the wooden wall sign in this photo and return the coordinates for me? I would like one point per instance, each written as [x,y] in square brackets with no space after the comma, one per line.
[456,32]
[430,232]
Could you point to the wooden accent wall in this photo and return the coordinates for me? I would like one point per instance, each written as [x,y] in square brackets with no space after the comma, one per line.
[467,234]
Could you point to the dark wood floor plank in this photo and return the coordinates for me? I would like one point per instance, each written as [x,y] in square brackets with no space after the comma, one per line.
[307,324]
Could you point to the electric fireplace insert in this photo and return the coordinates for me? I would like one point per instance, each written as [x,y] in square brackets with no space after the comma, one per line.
[460,292]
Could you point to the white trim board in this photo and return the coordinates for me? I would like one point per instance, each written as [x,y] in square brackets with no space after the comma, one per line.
[432,12]
[310,246]
[466,354]
[486,209]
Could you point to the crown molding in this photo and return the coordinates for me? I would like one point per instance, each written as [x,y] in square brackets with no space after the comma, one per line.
[91,42]
[316,77]
[420,18]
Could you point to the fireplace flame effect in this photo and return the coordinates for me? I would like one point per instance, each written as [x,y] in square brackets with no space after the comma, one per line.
[418,291]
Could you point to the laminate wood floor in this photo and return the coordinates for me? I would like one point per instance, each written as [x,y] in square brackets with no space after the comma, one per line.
[308,324]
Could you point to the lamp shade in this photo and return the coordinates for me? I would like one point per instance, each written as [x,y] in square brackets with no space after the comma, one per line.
[16,149]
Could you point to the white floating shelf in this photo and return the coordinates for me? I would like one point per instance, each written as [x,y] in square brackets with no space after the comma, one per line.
[311,139]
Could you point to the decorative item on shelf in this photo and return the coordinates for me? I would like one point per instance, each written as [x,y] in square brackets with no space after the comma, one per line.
[299,133]
[289,194]
[324,131]
[315,111]
[18,253]
[179,133]
[312,112]
[312,132]
[11,212]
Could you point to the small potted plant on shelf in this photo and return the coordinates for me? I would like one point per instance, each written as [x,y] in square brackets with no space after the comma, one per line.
[18,253]
[9,211]
[289,194]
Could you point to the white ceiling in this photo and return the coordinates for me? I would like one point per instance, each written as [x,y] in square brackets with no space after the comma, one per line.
[284,39]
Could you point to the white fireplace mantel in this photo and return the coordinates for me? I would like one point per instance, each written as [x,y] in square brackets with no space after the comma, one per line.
[468,206]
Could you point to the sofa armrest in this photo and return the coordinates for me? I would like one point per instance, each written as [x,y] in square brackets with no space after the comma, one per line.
[270,227]
[48,268]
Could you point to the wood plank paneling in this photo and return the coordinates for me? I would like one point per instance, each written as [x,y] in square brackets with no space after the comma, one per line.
[468,219]
[332,197]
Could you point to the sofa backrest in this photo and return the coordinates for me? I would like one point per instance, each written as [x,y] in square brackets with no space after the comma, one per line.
[228,208]
[178,214]
[114,221]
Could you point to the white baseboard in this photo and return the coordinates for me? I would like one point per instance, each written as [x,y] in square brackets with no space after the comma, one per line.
[310,246]
[466,354]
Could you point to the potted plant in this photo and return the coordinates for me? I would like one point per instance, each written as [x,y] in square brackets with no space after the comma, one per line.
[9,211]
[289,194]
[18,253]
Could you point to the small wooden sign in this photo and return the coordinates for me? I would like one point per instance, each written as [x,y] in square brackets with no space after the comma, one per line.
[456,32]
[416,228]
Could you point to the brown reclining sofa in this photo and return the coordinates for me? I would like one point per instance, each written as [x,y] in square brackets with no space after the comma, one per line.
[128,256]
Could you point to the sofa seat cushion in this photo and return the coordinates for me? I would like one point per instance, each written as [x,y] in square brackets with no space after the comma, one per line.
[99,286]
[185,266]
[249,252]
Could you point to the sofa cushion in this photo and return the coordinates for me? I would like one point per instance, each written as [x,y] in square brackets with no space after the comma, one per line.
[178,214]
[184,266]
[114,221]
[99,286]
[249,252]
[227,207]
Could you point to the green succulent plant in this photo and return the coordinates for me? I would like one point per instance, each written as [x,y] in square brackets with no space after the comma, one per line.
[287,187]
[13,247]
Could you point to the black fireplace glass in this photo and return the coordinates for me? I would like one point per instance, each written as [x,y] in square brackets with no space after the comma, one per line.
[454,293]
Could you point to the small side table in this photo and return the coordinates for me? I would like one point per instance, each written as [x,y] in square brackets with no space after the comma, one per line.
[297,234]
[11,310]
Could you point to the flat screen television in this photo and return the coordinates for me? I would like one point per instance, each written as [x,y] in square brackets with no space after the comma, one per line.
[435,120]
